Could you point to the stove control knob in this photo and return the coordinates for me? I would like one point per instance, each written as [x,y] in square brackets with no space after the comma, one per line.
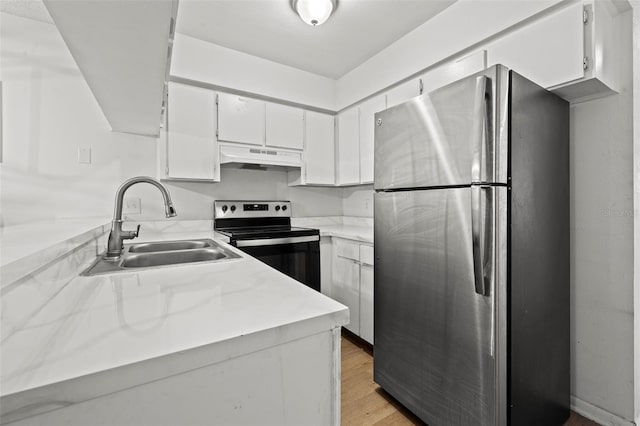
[233,209]
[224,208]
[277,208]
[284,208]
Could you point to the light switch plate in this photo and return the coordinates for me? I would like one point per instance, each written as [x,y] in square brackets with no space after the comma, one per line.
[132,205]
[84,155]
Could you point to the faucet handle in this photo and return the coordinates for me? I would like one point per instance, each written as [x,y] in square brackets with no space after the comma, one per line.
[129,235]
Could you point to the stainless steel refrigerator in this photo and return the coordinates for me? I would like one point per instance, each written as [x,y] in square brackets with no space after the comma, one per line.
[471,228]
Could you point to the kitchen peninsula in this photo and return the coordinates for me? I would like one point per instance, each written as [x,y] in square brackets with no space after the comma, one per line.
[233,342]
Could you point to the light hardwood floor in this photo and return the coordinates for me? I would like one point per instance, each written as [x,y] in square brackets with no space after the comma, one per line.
[365,403]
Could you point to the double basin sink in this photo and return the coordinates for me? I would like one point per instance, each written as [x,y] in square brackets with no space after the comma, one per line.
[162,253]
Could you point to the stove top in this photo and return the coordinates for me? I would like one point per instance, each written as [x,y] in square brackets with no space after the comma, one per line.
[245,219]
[266,232]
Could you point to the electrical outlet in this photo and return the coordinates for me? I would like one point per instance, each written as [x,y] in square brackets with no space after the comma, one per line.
[132,205]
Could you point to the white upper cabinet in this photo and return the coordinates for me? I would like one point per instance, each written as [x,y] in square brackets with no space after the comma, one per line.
[403,92]
[573,51]
[367,128]
[319,155]
[190,144]
[453,70]
[348,147]
[240,119]
[284,126]
[548,51]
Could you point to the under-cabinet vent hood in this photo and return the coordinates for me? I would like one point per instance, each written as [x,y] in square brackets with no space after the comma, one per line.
[259,155]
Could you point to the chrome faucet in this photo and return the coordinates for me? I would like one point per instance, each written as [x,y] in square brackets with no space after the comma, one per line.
[115,244]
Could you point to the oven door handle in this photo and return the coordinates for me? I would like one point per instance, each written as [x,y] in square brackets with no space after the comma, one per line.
[276,241]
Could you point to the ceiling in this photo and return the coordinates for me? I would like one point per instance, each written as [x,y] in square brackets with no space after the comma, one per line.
[270,29]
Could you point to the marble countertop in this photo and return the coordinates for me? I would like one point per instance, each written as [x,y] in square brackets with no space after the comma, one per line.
[96,333]
[19,255]
[353,228]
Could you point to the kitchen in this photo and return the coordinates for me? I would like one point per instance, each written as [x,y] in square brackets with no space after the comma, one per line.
[62,164]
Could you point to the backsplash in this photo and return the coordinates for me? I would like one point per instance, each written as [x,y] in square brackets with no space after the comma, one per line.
[358,201]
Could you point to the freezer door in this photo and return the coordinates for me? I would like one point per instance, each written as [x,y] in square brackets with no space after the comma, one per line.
[455,135]
[438,334]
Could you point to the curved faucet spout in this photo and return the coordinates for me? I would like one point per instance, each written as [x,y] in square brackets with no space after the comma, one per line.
[115,244]
[170,211]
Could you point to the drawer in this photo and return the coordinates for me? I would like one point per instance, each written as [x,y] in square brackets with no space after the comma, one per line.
[346,249]
[366,254]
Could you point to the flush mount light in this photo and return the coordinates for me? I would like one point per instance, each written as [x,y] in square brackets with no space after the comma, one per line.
[314,12]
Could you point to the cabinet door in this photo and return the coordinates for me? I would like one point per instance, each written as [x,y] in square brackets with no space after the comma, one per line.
[191,143]
[367,126]
[366,303]
[326,258]
[403,92]
[348,147]
[319,149]
[346,288]
[548,51]
[284,126]
[454,70]
[240,119]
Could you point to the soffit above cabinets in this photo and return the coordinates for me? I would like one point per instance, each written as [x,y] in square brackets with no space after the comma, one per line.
[270,29]
[123,51]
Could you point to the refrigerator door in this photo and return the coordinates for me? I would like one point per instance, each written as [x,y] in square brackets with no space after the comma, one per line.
[440,334]
[454,135]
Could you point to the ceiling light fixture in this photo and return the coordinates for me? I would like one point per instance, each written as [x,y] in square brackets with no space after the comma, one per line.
[314,12]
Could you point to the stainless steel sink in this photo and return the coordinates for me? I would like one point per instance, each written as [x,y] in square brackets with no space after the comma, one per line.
[161,254]
[143,260]
[160,246]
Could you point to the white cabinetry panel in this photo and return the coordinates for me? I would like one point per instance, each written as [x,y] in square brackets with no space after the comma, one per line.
[240,119]
[346,281]
[367,126]
[403,92]
[548,51]
[352,283]
[284,126]
[190,137]
[319,148]
[366,303]
[454,70]
[348,147]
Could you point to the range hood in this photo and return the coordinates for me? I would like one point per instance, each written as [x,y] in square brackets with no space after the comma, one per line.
[260,156]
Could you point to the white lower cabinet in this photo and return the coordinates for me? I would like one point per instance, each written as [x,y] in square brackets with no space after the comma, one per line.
[326,276]
[366,302]
[346,286]
[352,284]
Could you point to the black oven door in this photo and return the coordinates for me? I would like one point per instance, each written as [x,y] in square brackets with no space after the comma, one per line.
[298,257]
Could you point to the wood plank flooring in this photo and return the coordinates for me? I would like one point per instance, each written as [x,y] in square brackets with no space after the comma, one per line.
[365,403]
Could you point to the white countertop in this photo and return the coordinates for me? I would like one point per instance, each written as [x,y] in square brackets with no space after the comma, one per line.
[44,242]
[353,228]
[94,325]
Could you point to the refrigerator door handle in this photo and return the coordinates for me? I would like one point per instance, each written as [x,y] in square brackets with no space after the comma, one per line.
[481,127]
[482,248]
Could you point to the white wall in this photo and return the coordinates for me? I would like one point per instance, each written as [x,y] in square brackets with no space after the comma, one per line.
[48,112]
[602,244]
[636,201]
[207,62]
[358,201]
[194,200]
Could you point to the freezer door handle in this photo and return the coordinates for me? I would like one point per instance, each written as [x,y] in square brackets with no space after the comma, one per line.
[482,237]
[482,131]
